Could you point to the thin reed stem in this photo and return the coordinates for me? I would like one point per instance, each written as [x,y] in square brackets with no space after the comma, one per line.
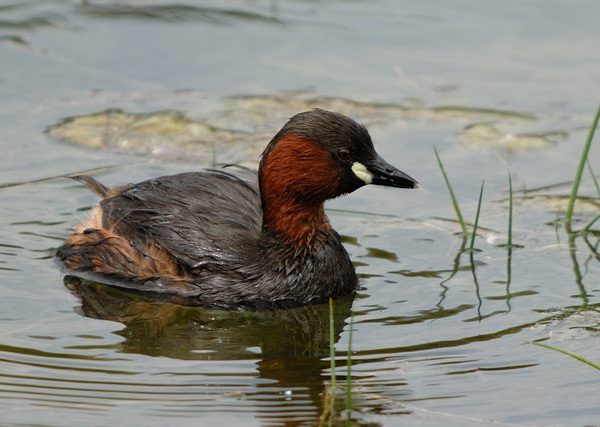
[594,180]
[332,354]
[472,251]
[452,195]
[349,369]
[509,245]
[476,222]
[586,229]
[570,353]
[579,172]
[510,216]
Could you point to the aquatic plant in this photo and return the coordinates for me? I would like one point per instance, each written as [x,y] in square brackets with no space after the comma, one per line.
[452,195]
[578,174]
[570,353]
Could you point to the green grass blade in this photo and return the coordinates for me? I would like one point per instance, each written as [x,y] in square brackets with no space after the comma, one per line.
[570,353]
[579,173]
[349,369]
[510,216]
[586,229]
[509,245]
[589,225]
[332,353]
[476,222]
[472,251]
[594,180]
[452,195]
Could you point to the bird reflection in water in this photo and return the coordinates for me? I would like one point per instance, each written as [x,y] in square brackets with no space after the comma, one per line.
[294,343]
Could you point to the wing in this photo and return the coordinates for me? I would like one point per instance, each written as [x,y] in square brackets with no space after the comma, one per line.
[199,218]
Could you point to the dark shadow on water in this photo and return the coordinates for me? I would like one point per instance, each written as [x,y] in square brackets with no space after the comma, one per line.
[291,345]
[176,13]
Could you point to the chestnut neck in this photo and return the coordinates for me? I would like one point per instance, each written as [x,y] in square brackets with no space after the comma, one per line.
[296,177]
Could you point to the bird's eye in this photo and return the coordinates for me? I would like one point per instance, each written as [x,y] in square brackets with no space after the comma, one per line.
[343,154]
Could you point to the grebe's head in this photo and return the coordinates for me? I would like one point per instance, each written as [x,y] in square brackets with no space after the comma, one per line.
[319,155]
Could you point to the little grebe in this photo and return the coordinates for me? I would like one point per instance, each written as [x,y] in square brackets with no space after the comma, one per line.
[232,239]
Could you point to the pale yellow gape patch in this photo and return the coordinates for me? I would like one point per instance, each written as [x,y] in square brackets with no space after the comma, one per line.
[362,173]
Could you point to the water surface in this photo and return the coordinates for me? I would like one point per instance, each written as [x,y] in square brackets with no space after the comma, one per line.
[495,87]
